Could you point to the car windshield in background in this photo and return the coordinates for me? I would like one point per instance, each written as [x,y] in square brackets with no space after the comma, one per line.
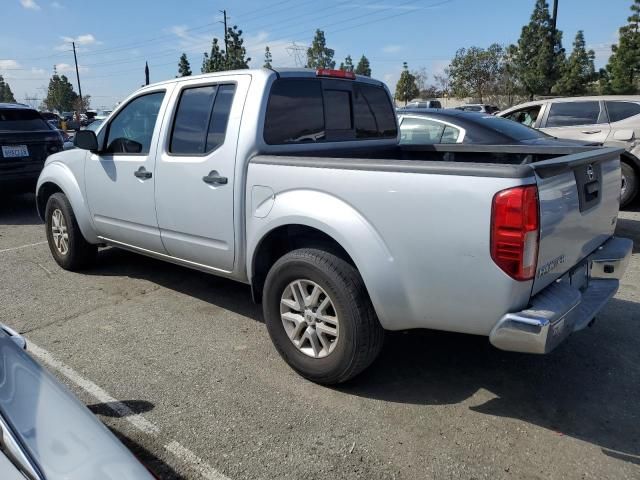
[20,120]
[512,129]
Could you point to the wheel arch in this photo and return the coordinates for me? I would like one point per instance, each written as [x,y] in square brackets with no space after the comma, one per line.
[56,177]
[316,219]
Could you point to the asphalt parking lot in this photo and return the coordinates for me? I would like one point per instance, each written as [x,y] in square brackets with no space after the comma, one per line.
[179,365]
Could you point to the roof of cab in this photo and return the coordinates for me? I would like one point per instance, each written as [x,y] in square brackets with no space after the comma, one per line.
[281,72]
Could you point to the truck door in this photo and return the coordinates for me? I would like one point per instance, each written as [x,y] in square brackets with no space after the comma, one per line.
[195,182]
[119,179]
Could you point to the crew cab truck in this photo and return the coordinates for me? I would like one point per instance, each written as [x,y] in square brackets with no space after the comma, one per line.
[293,181]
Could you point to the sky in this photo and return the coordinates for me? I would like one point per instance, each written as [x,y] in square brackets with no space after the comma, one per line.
[114,38]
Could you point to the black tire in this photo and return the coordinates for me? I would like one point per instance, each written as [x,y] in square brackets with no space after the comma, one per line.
[631,178]
[80,254]
[360,336]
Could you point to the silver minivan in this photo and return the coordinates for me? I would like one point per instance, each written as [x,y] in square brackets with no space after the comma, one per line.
[610,120]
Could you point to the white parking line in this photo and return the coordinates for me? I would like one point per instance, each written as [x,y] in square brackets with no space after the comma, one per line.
[21,247]
[135,419]
[197,463]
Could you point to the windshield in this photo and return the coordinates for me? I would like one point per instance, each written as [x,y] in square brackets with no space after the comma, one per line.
[512,129]
[21,120]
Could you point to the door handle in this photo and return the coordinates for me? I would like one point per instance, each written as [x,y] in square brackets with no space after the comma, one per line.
[214,178]
[142,173]
[591,132]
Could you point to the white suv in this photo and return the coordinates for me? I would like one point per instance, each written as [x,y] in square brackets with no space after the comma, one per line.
[610,120]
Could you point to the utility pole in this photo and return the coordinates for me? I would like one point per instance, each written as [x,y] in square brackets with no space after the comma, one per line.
[226,42]
[554,19]
[75,58]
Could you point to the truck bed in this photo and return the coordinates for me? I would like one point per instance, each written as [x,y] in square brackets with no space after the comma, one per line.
[429,210]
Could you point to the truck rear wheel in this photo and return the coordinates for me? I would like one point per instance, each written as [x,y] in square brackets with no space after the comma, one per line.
[69,248]
[629,184]
[320,317]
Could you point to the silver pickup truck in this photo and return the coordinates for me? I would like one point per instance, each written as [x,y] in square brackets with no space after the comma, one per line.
[293,181]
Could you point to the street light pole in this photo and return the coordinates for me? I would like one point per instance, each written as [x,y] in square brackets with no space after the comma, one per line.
[75,58]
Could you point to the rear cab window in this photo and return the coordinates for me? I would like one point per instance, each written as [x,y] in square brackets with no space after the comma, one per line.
[302,110]
[22,120]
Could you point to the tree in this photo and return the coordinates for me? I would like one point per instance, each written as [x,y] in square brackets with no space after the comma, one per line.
[60,94]
[406,88]
[235,56]
[6,95]
[184,68]
[347,65]
[579,71]
[86,103]
[443,82]
[214,61]
[233,59]
[267,57]
[538,57]
[624,64]
[318,55]
[475,71]
[363,67]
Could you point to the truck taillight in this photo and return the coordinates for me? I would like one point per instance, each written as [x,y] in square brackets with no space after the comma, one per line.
[515,231]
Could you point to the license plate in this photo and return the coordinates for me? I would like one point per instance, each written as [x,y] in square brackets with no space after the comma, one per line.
[15,151]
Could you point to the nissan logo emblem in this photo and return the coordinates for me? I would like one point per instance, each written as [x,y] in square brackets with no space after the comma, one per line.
[590,173]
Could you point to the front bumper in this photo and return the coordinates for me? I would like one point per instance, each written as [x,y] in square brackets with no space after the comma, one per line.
[563,307]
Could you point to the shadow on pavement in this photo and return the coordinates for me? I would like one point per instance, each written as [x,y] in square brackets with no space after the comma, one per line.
[109,409]
[19,209]
[629,228]
[157,466]
[587,389]
[222,292]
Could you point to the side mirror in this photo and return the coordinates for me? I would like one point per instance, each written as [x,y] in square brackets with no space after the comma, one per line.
[86,140]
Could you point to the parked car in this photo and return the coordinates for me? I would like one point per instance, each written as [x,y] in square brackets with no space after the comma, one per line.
[419,104]
[610,120]
[46,433]
[424,127]
[52,118]
[26,140]
[102,114]
[479,108]
[293,182]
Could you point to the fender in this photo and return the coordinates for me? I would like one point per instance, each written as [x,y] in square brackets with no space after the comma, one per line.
[60,174]
[346,226]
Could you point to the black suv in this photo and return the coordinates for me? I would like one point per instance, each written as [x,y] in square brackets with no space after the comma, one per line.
[26,140]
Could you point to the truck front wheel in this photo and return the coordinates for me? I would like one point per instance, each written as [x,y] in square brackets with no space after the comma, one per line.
[320,317]
[69,248]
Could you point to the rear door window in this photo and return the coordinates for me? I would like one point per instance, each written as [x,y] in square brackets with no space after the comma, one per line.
[570,114]
[313,110]
[420,131]
[201,119]
[622,110]
[21,120]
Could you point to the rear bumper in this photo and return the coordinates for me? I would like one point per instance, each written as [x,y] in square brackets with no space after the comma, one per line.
[562,308]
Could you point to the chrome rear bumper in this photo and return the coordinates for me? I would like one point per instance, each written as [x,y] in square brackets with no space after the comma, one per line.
[561,308]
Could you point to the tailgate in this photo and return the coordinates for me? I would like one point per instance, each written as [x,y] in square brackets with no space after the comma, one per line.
[579,201]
